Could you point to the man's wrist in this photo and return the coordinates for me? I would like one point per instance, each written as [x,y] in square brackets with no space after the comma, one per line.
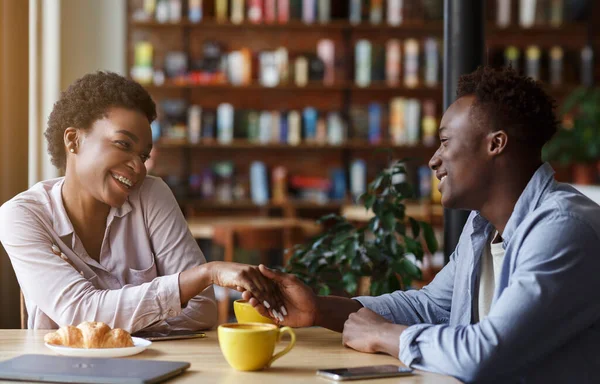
[319,303]
[388,339]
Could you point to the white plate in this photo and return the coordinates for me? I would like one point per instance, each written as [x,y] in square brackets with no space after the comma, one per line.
[138,346]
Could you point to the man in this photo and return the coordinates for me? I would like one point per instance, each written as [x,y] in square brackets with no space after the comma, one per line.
[518,300]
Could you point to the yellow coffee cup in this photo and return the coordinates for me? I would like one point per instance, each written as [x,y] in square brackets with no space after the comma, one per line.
[245,313]
[250,346]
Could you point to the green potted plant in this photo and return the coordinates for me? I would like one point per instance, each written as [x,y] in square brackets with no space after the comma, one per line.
[345,255]
[577,143]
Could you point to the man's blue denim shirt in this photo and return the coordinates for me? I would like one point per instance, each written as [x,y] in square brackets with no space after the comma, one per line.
[544,322]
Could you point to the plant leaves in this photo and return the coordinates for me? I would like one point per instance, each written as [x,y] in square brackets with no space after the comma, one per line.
[350,283]
[369,200]
[430,239]
[324,290]
[416,229]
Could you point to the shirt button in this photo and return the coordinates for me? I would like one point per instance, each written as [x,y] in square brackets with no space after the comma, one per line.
[171,312]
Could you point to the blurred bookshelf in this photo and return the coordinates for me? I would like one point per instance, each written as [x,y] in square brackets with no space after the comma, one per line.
[288,108]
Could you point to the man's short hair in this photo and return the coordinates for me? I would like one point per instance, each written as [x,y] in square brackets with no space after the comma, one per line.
[511,102]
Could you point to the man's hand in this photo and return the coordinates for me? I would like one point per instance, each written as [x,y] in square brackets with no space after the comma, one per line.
[366,331]
[298,302]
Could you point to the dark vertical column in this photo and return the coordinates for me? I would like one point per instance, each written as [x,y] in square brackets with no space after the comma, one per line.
[463,53]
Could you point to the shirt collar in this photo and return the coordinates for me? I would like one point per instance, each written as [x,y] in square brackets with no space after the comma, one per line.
[528,201]
[62,223]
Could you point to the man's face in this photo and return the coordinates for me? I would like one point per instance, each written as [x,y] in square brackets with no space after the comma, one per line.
[111,155]
[462,163]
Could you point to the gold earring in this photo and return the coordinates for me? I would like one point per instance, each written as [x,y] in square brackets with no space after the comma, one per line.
[72,150]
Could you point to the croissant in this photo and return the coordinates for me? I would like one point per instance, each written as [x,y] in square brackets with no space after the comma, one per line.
[90,334]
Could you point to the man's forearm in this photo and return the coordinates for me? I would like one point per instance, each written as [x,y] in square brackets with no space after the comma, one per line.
[333,311]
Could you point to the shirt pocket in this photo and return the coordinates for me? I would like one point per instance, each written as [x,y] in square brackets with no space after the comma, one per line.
[140,276]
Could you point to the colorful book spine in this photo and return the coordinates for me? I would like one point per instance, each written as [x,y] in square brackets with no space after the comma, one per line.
[503,13]
[527,13]
[326,52]
[270,13]
[283,11]
[321,137]
[532,62]
[432,62]
[253,127]
[556,12]
[221,10]
[587,66]
[195,11]
[376,11]
[424,182]
[511,57]
[335,129]
[395,9]
[194,124]
[259,186]
[411,63]
[208,126]
[308,11]
[301,71]
[294,128]
[275,126]
[412,115]
[324,11]
[377,62]
[255,11]
[284,131]
[393,60]
[281,57]
[363,63]
[225,123]
[375,123]
[358,178]
[237,11]
[429,124]
[264,127]
[556,66]
[309,117]
[279,183]
[396,121]
[338,184]
[355,12]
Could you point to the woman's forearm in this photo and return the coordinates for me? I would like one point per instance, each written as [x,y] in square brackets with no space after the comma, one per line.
[194,281]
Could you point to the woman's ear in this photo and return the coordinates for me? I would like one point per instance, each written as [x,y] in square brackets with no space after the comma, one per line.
[71,138]
[497,142]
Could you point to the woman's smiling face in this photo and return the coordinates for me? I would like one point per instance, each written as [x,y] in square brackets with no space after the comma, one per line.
[109,157]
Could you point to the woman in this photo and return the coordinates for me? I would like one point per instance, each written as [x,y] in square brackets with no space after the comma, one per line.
[106,242]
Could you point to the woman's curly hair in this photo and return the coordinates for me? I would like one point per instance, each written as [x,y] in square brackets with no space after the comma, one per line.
[88,99]
[511,102]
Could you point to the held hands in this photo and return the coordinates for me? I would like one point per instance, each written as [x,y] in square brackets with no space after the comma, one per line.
[248,279]
[298,302]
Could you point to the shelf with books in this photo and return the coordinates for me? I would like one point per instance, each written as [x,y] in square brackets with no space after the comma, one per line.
[414,27]
[352,144]
[419,91]
[357,47]
[199,203]
[316,86]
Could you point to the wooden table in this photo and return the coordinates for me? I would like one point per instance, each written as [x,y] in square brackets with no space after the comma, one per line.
[315,348]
